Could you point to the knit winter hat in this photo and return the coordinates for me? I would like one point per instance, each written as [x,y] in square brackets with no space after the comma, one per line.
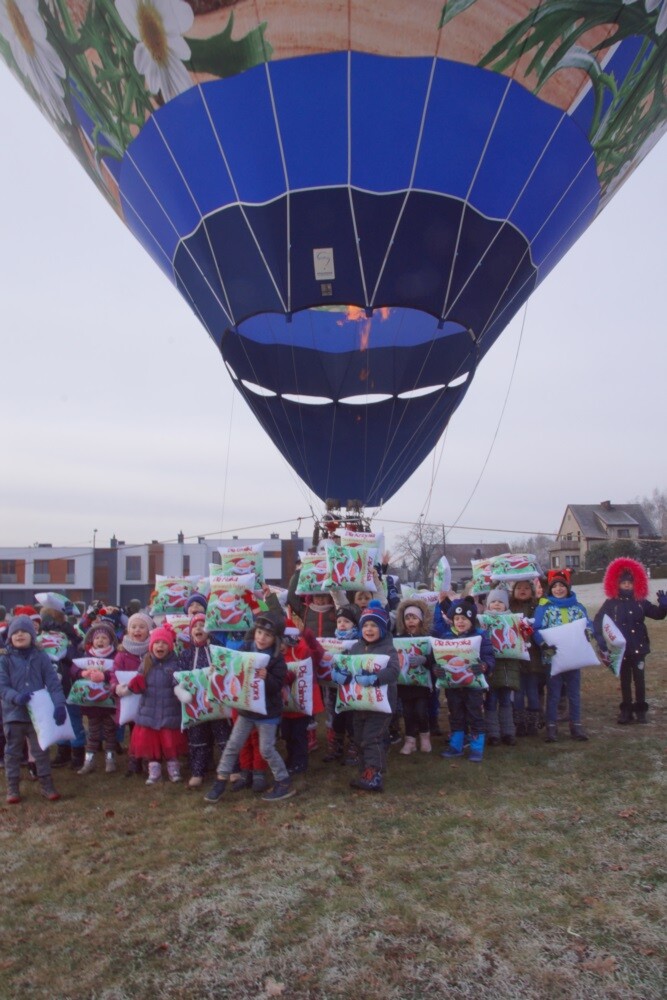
[164,633]
[27,609]
[196,599]
[558,576]
[141,616]
[466,610]
[100,625]
[412,609]
[499,594]
[375,613]
[21,623]
[349,612]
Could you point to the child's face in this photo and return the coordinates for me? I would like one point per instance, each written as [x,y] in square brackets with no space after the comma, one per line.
[320,599]
[263,639]
[344,624]
[462,624]
[559,589]
[497,606]
[626,586]
[412,624]
[198,632]
[523,591]
[161,649]
[362,598]
[21,639]
[195,609]
[138,631]
[100,640]
[370,631]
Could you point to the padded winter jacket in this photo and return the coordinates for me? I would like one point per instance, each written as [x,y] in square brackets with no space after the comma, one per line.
[28,670]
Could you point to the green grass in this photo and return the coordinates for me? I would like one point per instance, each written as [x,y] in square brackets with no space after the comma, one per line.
[538,874]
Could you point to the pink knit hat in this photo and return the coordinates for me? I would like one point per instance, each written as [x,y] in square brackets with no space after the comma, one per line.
[164,633]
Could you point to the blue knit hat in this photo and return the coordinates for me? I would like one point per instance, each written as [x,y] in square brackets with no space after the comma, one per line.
[375,613]
[196,599]
[22,624]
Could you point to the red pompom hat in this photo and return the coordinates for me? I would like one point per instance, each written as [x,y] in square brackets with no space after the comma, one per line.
[625,567]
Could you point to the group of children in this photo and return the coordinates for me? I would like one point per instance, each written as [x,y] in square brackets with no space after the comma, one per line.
[246,743]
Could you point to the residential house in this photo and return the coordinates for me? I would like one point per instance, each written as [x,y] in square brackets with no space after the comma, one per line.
[588,524]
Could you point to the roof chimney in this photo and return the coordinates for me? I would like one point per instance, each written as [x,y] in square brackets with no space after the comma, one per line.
[606,504]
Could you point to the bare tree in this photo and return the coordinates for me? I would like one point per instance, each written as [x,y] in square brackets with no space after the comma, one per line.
[420,550]
[655,506]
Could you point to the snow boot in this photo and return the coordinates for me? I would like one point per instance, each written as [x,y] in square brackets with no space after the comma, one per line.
[552,733]
[109,761]
[577,733]
[425,743]
[370,780]
[455,748]
[174,770]
[641,708]
[88,764]
[154,772]
[63,756]
[410,746]
[625,716]
[477,748]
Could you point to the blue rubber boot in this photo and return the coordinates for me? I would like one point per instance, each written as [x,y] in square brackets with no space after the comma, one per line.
[455,748]
[477,748]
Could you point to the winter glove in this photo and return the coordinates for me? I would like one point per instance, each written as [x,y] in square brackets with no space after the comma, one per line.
[183,695]
[366,680]
[340,676]
[414,661]
[23,698]
[477,668]
[59,714]
[662,599]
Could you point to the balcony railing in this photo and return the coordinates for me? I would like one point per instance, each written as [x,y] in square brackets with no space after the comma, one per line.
[566,545]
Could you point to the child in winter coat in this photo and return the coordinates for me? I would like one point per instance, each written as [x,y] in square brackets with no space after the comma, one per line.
[626,587]
[55,609]
[506,678]
[131,652]
[413,619]
[25,669]
[265,637]
[340,725]
[559,607]
[157,732]
[372,728]
[466,704]
[100,643]
[299,645]
[200,737]
[524,600]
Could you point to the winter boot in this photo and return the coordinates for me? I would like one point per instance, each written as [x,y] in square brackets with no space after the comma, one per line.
[577,733]
[215,793]
[476,748]
[352,755]
[174,770]
[88,764]
[455,748]
[520,722]
[259,781]
[154,772]
[625,716]
[241,781]
[425,743]
[47,789]
[410,746]
[78,757]
[552,733]
[63,755]
[13,794]
[370,780]
[641,708]
[109,761]
[532,721]
[334,748]
[281,790]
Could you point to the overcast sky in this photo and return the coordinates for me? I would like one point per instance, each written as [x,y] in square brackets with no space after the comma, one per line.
[117,407]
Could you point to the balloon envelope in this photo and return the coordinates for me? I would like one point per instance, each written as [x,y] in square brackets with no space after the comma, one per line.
[355,198]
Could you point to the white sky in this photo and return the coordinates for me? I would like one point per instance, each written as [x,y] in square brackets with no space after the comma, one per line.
[116,405]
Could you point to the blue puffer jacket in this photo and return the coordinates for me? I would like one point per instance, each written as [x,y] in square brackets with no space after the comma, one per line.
[159,707]
[26,670]
[553,611]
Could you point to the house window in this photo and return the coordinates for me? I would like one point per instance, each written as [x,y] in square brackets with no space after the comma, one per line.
[133,567]
[41,572]
[216,559]
[623,532]
[572,562]
[70,571]
[186,565]
[7,571]
[555,562]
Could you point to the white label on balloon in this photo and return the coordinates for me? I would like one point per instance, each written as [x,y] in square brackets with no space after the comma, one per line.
[323,260]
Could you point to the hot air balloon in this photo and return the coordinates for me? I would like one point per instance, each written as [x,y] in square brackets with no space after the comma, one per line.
[354,197]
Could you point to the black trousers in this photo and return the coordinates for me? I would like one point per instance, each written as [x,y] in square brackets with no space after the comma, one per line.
[466,706]
[632,671]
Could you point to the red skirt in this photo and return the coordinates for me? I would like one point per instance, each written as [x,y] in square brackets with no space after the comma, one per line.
[158,744]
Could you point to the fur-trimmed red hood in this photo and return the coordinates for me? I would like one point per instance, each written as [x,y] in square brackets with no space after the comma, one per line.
[615,570]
